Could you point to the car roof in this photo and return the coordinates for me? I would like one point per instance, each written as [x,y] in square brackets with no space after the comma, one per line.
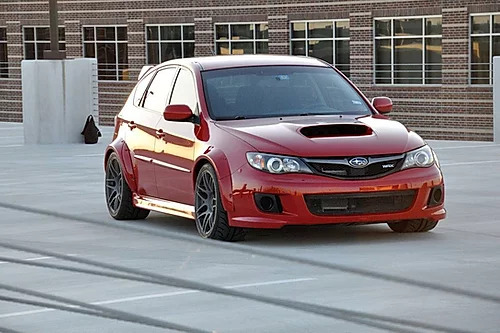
[231,61]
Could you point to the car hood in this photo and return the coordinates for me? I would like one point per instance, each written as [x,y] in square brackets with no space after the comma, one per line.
[320,136]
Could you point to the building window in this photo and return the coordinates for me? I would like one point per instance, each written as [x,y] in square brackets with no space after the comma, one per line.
[166,42]
[4,68]
[241,38]
[485,44]
[408,50]
[37,41]
[109,45]
[327,40]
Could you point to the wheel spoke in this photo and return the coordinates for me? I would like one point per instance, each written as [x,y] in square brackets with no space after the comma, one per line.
[200,209]
[112,168]
[203,198]
[206,223]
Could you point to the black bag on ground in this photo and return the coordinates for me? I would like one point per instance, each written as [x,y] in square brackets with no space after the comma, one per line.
[90,132]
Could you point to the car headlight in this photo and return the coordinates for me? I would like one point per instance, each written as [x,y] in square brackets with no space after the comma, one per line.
[277,164]
[419,158]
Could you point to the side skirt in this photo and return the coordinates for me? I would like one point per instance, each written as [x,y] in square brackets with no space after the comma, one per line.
[164,206]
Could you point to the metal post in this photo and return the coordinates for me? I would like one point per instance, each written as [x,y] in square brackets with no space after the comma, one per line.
[54,52]
[496,99]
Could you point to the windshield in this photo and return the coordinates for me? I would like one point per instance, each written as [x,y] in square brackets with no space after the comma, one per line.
[280,91]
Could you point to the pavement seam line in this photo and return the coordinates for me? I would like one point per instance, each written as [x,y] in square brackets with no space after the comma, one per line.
[247,250]
[149,277]
[95,310]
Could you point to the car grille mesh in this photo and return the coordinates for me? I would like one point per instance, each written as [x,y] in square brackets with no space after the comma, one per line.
[340,167]
[360,203]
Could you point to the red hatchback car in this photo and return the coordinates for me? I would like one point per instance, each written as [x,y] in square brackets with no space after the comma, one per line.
[238,142]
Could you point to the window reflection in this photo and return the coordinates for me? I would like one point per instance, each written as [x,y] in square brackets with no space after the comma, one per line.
[408,61]
[403,52]
[320,29]
[480,24]
[484,45]
[37,41]
[109,46]
[322,49]
[326,40]
[236,38]
[167,42]
[480,60]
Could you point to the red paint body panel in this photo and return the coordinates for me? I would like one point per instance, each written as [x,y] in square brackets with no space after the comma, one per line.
[182,147]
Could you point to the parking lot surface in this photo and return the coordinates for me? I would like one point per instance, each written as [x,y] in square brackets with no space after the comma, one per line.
[51,199]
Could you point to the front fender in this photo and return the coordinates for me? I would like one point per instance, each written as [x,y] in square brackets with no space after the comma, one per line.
[120,148]
[218,160]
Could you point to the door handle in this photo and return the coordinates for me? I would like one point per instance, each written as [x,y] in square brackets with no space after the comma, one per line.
[132,125]
[160,134]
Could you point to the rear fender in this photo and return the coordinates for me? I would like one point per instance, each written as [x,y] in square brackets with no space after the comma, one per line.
[121,149]
[218,160]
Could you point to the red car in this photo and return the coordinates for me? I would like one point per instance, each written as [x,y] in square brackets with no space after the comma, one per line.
[238,142]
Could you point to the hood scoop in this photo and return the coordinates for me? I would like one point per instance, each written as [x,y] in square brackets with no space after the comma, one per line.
[335,130]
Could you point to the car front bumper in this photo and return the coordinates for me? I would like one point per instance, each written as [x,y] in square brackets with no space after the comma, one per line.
[292,189]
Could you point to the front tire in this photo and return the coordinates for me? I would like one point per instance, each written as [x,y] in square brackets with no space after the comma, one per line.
[118,194]
[211,218]
[413,226]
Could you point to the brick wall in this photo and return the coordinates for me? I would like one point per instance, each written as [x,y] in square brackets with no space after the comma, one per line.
[453,110]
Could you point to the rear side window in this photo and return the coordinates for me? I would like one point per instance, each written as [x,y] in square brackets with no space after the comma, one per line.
[184,90]
[159,90]
[141,88]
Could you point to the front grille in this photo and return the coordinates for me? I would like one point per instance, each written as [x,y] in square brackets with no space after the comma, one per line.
[378,166]
[360,203]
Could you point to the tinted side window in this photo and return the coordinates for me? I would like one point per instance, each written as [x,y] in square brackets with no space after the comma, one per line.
[141,88]
[156,97]
[184,90]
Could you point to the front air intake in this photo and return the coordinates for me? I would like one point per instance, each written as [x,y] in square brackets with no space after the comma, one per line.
[326,131]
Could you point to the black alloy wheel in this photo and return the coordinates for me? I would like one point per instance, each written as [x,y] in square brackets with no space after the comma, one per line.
[211,218]
[118,194]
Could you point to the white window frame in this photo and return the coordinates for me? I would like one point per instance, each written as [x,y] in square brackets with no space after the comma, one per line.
[230,41]
[115,41]
[2,42]
[423,36]
[306,39]
[491,34]
[35,41]
[159,41]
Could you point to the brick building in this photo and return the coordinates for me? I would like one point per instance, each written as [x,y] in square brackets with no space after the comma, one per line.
[432,57]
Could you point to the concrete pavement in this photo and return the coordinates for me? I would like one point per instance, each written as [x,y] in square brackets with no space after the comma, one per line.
[462,252]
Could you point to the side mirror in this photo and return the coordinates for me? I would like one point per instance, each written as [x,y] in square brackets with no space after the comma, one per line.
[178,112]
[382,104]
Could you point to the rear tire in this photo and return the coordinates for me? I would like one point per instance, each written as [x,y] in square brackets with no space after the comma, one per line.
[211,218]
[413,226]
[118,194]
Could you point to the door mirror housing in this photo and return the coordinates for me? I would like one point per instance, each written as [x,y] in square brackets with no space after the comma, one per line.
[382,104]
[178,112]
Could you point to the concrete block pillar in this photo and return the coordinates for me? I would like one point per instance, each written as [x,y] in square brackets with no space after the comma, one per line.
[58,96]
[203,35]
[279,33]
[496,99]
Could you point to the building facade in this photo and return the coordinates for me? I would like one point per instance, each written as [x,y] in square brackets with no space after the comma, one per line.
[432,57]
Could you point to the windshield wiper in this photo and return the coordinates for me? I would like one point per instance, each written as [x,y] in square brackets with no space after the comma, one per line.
[233,118]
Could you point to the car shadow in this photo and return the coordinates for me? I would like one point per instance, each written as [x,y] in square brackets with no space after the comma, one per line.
[303,235]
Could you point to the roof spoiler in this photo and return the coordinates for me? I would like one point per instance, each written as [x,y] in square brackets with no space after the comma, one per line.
[144,70]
